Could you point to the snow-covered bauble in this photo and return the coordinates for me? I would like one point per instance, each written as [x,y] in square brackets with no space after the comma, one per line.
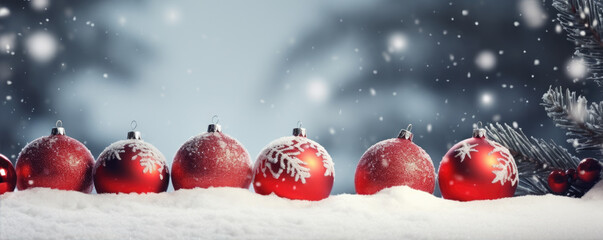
[294,167]
[477,169]
[211,159]
[8,176]
[56,161]
[131,166]
[395,162]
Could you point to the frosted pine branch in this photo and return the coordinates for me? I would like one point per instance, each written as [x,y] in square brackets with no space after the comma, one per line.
[581,19]
[584,124]
[535,159]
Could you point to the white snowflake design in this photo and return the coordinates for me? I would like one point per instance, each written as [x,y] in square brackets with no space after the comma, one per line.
[465,150]
[149,157]
[285,151]
[506,168]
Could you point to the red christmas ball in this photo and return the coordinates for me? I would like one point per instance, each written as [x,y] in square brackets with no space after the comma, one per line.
[477,169]
[558,181]
[294,167]
[56,161]
[8,176]
[131,166]
[589,170]
[211,159]
[395,162]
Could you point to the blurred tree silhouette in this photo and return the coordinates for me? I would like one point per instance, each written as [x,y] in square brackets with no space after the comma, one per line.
[25,75]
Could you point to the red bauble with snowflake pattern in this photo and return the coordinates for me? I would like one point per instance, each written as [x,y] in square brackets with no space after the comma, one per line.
[294,167]
[395,162]
[477,169]
[56,161]
[131,166]
[211,159]
[8,176]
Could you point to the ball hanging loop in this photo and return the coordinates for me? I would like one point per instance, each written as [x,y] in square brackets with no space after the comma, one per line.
[133,125]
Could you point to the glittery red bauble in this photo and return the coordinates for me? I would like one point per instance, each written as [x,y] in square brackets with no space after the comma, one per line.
[589,170]
[212,159]
[131,166]
[558,181]
[294,167]
[395,162]
[477,169]
[56,161]
[8,176]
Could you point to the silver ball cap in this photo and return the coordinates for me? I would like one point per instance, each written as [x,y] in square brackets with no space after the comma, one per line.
[479,133]
[57,131]
[135,135]
[299,132]
[405,133]
[214,128]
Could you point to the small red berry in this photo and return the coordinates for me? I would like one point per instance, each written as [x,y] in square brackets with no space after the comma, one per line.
[571,174]
[558,181]
[589,170]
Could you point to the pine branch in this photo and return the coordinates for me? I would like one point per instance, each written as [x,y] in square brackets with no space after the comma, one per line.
[535,159]
[584,125]
[581,19]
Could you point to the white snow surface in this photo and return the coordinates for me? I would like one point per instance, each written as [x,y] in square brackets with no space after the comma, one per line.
[230,213]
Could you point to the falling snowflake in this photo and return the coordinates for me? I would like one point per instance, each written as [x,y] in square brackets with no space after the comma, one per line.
[465,150]
[284,152]
[506,168]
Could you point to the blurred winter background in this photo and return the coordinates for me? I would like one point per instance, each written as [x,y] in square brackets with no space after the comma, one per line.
[355,72]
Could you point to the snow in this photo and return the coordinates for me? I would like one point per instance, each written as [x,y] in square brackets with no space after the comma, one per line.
[533,13]
[4,12]
[231,213]
[317,90]
[42,46]
[576,68]
[485,60]
[39,5]
[486,99]
[397,42]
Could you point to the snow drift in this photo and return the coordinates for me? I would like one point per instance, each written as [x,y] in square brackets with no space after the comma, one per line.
[228,213]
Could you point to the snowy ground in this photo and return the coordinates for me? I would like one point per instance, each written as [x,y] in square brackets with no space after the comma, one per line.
[223,213]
